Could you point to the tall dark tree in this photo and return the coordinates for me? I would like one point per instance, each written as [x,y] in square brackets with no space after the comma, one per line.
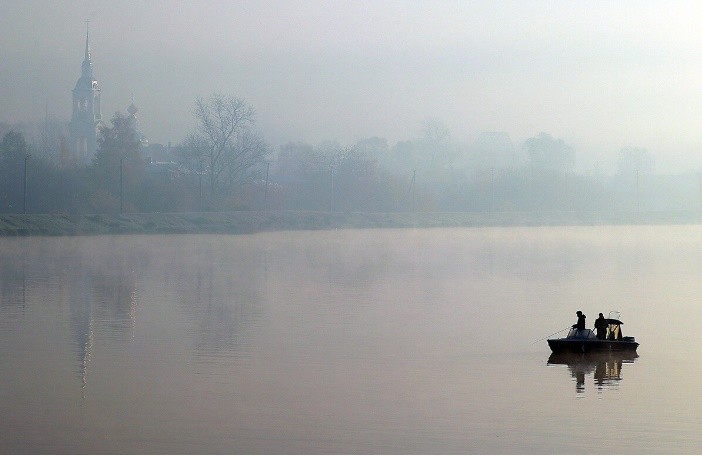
[118,168]
[49,189]
[13,150]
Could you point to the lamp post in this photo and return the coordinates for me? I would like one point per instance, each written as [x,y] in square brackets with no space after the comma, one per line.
[24,195]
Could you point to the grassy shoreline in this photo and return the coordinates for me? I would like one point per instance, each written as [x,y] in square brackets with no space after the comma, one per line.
[242,222]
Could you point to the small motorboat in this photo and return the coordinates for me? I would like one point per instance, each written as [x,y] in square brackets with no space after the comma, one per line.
[585,340]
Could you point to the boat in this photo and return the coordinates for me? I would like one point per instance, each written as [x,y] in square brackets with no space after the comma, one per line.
[585,340]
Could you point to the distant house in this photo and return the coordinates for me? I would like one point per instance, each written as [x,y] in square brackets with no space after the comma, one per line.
[167,170]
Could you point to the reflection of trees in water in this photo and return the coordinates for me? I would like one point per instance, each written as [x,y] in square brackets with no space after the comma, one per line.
[606,368]
[94,285]
[220,290]
[218,283]
[13,283]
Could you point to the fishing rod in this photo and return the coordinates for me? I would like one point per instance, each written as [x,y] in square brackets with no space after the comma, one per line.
[560,330]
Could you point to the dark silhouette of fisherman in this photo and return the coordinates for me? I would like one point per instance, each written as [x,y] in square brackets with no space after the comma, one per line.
[580,325]
[601,327]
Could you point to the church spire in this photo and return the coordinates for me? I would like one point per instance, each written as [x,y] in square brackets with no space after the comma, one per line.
[86,109]
[87,64]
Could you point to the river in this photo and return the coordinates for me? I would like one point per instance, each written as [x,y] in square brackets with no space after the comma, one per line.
[349,341]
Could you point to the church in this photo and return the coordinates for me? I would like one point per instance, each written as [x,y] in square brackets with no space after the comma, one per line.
[86,118]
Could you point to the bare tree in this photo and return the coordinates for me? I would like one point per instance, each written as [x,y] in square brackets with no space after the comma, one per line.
[243,164]
[437,144]
[224,145]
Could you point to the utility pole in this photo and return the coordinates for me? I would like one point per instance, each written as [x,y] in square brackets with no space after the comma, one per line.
[414,189]
[200,184]
[637,191]
[24,195]
[332,189]
[265,194]
[411,187]
[492,189]
[121,160]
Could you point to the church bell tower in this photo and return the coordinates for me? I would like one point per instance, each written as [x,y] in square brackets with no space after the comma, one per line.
[86,111]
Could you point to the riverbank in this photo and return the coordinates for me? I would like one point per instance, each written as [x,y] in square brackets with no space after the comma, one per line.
[256,221]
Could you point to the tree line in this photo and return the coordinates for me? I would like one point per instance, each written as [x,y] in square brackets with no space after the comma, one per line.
[225,164]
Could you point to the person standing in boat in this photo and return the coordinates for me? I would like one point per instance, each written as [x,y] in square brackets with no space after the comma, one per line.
[580,325]
[601,327]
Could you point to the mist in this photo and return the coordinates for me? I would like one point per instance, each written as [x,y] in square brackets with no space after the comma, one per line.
[602,78]
[600,75]
[322,227]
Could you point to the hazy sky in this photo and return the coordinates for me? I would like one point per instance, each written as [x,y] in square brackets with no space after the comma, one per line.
[600,75]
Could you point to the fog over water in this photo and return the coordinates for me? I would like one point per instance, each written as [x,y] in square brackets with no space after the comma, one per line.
[599,75]
[349,341]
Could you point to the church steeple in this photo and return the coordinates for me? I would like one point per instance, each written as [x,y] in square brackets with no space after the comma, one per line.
[87,63]
[86,110]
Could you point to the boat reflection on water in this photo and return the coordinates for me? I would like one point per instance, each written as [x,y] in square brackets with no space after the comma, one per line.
[605,367]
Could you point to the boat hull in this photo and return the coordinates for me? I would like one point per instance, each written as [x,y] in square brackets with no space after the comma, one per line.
[571,345]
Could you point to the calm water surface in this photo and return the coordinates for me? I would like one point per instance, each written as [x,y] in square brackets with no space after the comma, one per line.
[355,341]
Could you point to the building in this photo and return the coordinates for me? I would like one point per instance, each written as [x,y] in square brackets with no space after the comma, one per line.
[86,118]
[133,122]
